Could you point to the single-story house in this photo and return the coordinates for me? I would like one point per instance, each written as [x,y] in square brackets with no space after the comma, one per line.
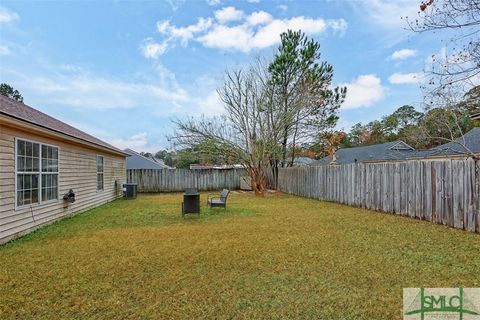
[469,143]
[136,161]
[41,159]
[389,151]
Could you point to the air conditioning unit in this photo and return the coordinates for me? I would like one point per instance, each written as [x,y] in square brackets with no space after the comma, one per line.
[130,190]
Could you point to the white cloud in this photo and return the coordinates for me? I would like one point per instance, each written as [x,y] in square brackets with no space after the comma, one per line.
[259,17]
[152,50]
[225,37]
[363,91]
[4,50]
[405,78]
[253,1]
[211,105]
[213,2]
[76,88]
[282,7]
[175,4]
[228,14]
[387,14]
[244,33]
[184,34]
[7,16]
[137,142]
[245,38]
[339,26]
[403,54]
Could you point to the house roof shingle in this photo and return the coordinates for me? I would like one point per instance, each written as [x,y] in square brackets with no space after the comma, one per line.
[396,150]
[28,114]
[472,142]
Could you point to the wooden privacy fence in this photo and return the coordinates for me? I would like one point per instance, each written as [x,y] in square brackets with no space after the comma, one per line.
[441,191]
[171,180]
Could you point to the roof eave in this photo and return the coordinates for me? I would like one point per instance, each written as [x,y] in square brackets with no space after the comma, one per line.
[16,122]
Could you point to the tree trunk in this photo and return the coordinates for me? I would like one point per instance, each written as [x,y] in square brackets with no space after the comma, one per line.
[274,170]
[257,182]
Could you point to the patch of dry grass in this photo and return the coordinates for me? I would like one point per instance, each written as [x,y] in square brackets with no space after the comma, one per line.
[275,257]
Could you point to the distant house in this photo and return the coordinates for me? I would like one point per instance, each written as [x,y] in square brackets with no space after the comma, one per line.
[137,161]
[207,166]
[201,166]
[389,151]
[41,159]
[302,161]
[458,148]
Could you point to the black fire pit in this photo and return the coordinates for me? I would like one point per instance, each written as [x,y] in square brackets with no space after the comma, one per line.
[191,202]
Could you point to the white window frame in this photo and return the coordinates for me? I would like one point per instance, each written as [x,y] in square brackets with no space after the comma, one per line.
[40,201]
[100,172]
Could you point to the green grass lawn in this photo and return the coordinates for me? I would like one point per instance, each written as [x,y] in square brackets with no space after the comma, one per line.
[275,257]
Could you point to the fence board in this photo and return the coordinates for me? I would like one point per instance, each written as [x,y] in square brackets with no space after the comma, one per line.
[441,191]
[174,180]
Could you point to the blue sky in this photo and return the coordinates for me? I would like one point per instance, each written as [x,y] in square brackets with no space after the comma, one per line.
[122,70]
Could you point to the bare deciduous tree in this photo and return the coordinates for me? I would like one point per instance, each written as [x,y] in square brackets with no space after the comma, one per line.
[249,129]
[457,65]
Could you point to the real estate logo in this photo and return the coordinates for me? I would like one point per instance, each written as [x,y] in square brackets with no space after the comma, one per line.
[441,303]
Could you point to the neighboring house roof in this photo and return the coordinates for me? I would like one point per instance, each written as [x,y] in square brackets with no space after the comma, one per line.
[303,161]
[471,140]
[22,112]
[396,150]
[159,161]
[137,161]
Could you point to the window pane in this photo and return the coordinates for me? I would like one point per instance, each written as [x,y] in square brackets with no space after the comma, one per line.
[27,181]
[19,198]
[34,195]
[100,181]
[20,147]
[99,164]
[54,165]
[49,187]
[36,164]
[27,197]
[28,164]
[20,163]
[49,159]
[28,149]
[36,150]
[34,181]
[19,182]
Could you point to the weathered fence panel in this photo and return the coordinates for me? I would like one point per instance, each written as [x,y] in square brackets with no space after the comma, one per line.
[441,191]
[173,180]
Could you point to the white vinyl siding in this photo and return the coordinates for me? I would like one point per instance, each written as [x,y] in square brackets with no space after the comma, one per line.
[77,170]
